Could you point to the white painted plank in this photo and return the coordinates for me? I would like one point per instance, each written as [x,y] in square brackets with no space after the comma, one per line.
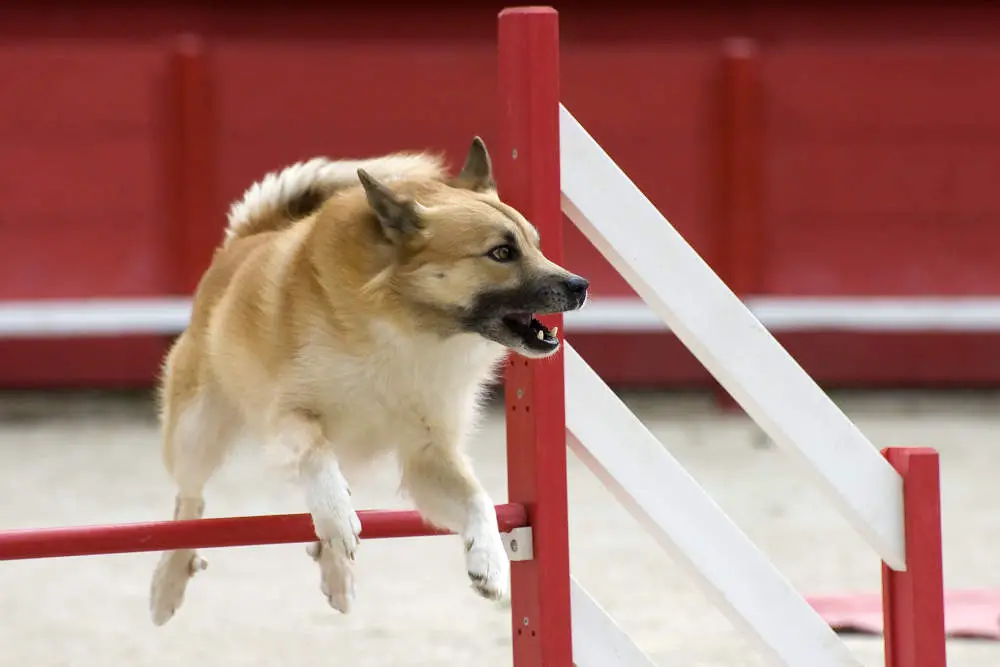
[597,640]
[729,341]
[93,317]
[656,489]
[169,315]
[902,314]
[791,314]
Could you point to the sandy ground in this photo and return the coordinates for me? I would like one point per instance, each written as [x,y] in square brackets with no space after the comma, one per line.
[94,459]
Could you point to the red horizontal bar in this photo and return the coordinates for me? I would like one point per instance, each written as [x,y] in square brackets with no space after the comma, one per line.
[239,531]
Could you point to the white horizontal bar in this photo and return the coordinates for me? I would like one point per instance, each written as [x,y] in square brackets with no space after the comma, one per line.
[93,317]
[597,640]
[789,314]
[729,341]
[656,489]
[169,315]
[966,314]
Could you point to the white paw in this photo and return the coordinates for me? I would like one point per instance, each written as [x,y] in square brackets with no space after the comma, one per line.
[335,555]
[170,581]
[340,531]
[336,575]
[488,566]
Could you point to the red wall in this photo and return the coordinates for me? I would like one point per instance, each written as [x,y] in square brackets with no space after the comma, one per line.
[853,155]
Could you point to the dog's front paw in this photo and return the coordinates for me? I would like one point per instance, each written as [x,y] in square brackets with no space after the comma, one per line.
[335,555]
[336,575]
[170,581]
[340,531]
[488,566]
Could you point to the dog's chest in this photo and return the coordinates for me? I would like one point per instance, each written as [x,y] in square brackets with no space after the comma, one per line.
[402,386]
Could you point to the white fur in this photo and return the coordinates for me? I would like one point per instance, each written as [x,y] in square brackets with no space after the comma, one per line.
[271,194]
[328,498]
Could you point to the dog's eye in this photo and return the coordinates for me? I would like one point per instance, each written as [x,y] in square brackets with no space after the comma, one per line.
[502,253]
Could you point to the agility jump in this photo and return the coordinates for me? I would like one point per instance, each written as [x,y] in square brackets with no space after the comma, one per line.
[547,164]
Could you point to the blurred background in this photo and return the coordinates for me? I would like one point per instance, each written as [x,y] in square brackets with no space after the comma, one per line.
[815,157]
[836,165]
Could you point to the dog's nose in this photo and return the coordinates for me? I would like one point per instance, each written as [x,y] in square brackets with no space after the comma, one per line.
[577,285]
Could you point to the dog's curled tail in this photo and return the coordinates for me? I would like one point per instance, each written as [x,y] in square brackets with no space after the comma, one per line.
[281,198]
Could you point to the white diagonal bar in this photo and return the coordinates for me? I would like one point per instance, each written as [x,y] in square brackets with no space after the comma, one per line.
[656,489]
[729,341]
[597,640]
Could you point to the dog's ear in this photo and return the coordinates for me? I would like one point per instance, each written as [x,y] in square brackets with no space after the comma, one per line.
[477,172]
[397,215]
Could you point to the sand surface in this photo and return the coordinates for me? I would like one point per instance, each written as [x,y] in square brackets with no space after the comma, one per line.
[94,459]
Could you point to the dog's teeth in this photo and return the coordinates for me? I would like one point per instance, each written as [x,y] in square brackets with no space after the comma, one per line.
[555,330]
[540,334]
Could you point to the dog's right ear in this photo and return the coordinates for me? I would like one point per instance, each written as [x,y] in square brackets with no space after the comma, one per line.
[397,215]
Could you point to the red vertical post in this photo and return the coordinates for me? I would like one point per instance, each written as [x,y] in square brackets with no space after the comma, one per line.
[196,224]
[741,169]
[740,176]
[913,601]
[527,163]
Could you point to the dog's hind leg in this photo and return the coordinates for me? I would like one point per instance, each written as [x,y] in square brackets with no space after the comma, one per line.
[198,432]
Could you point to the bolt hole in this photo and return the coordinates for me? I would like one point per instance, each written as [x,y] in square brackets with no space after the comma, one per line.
[532,633]
[519,632]
[513,408]
[527,408]
[525,362]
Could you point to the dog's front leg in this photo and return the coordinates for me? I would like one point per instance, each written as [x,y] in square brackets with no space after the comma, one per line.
[328,499]
[447,493]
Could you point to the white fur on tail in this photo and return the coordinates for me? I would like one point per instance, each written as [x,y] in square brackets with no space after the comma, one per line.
[265,204]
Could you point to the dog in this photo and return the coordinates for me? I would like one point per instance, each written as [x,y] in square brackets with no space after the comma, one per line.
[357,308]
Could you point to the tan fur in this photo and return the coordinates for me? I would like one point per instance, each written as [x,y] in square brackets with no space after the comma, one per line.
[321,338]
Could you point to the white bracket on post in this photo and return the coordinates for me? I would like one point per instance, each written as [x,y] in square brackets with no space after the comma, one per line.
[518,544]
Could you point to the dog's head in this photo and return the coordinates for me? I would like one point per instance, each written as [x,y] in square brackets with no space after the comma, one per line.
[472,261]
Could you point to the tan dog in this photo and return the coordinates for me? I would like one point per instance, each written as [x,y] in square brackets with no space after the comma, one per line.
[357,308]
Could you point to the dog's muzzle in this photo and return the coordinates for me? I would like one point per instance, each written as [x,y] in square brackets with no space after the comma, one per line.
[509,317]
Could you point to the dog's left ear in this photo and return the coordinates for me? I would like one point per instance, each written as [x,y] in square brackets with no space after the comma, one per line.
[477,172]
[397,216]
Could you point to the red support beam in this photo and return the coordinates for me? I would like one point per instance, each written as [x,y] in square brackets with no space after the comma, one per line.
[913,601]
[740,176]
[739,231]
[195,217]
[527,163]
[211,533]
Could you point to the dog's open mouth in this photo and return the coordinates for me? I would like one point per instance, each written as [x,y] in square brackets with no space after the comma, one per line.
[532,333]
